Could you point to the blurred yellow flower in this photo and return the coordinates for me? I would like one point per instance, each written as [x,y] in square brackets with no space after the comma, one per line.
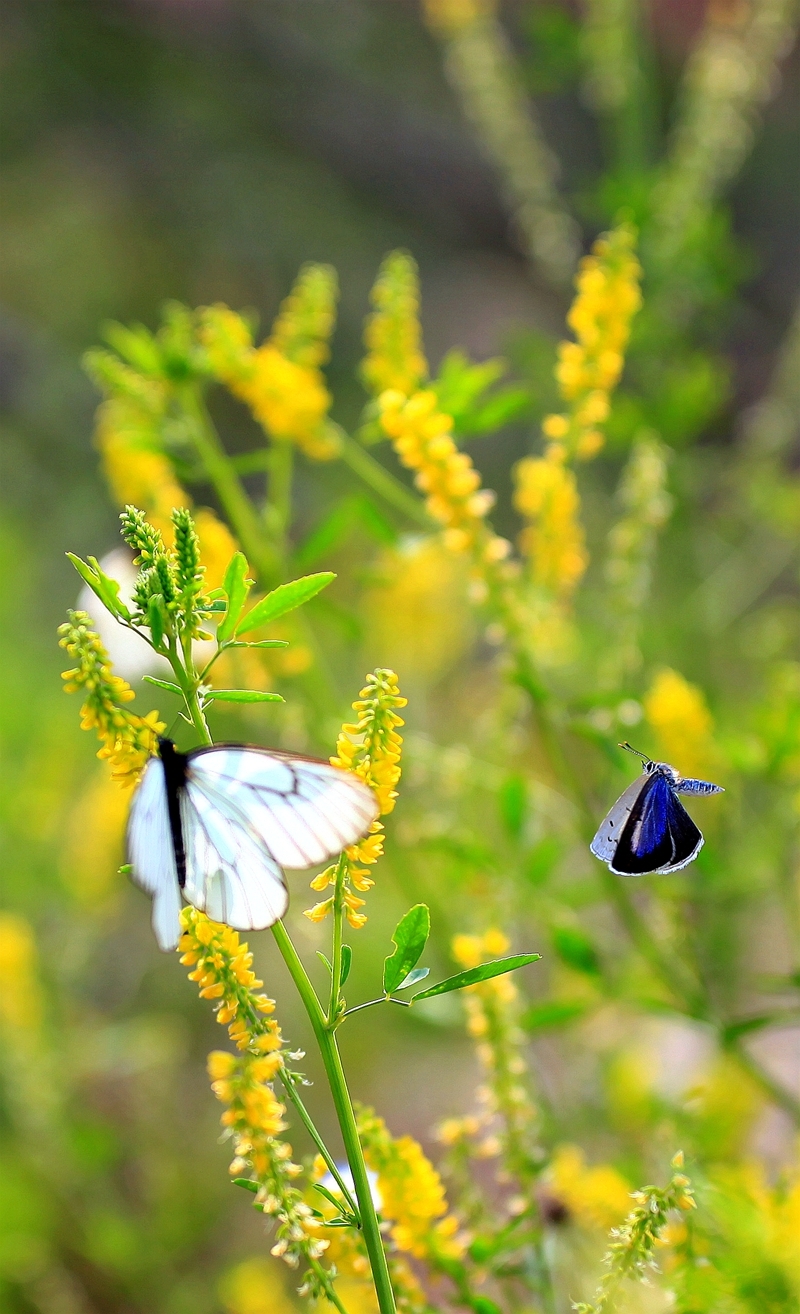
[129,741]
[253,1287]
[597,1197]
[288,399]
[93,843]
[417,612]
[20,991]
[395,358]
[677,712]
[547,497]
[412,1193]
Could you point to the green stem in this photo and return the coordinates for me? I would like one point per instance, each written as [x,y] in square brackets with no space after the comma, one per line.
[336,952]
[305,1117]
[228,487]
[381,481]
[325,1283]
[776,1092]
[347,1120]
[278,510]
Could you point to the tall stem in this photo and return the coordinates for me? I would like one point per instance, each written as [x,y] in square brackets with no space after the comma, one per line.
[336,954]
[228,487]
[346,1116]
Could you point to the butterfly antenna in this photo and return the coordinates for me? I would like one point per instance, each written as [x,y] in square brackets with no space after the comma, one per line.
[636,751]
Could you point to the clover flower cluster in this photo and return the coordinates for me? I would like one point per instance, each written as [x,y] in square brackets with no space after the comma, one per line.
[128,739]
[422,437]
[223,968]
[596,1197]
[395,359]
[412,1194]
[281,380]
[588,370]
[370,747]
[633,1245]
[491,1008]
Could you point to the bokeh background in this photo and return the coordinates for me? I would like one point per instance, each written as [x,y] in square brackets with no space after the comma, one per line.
[203,150]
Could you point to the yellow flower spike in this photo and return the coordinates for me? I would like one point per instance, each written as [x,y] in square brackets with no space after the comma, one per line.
[128,740]
[412,1194]
[287,396]
[395,359]
[371,748]
[596,1197]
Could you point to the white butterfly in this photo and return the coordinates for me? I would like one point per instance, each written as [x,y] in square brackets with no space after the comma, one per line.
[218,824]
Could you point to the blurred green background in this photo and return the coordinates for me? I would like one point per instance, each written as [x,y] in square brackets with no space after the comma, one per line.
[202,150]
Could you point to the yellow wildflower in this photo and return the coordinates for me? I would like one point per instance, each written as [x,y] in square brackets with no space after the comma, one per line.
[412,1194]
[253,1287]
[370,747]
[288,399]
[422,437]
[547,496]
[417,614]
[222,967]
[491,1008]
[253,1117]
[597,1197]
[450,16]
[93,844]
[129,740]
[677,712]
[20,992]
[588,370]
[395,358]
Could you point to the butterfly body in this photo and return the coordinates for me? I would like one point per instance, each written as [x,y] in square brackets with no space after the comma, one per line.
[217,826]
[648,829]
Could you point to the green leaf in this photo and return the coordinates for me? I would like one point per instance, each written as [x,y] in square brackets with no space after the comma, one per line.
[321,955]
[262,643]
[242,696]
[236,586]
[125,869]
[347,963]
[553,1013]
[576,950]
[246,1184]
[514,803]
[475,974]
[283,599]
[163,684]
[418,974]
[102,585]
[410,937]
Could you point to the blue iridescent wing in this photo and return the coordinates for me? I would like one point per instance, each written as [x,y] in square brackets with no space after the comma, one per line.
[698,787]
[659,835]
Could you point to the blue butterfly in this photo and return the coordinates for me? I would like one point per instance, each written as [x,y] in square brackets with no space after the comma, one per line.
[648,829]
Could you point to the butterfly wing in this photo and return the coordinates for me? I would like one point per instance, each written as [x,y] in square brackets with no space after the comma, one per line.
[303,811]
[659,835]
[604,845]
[230,873]
[151,853]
